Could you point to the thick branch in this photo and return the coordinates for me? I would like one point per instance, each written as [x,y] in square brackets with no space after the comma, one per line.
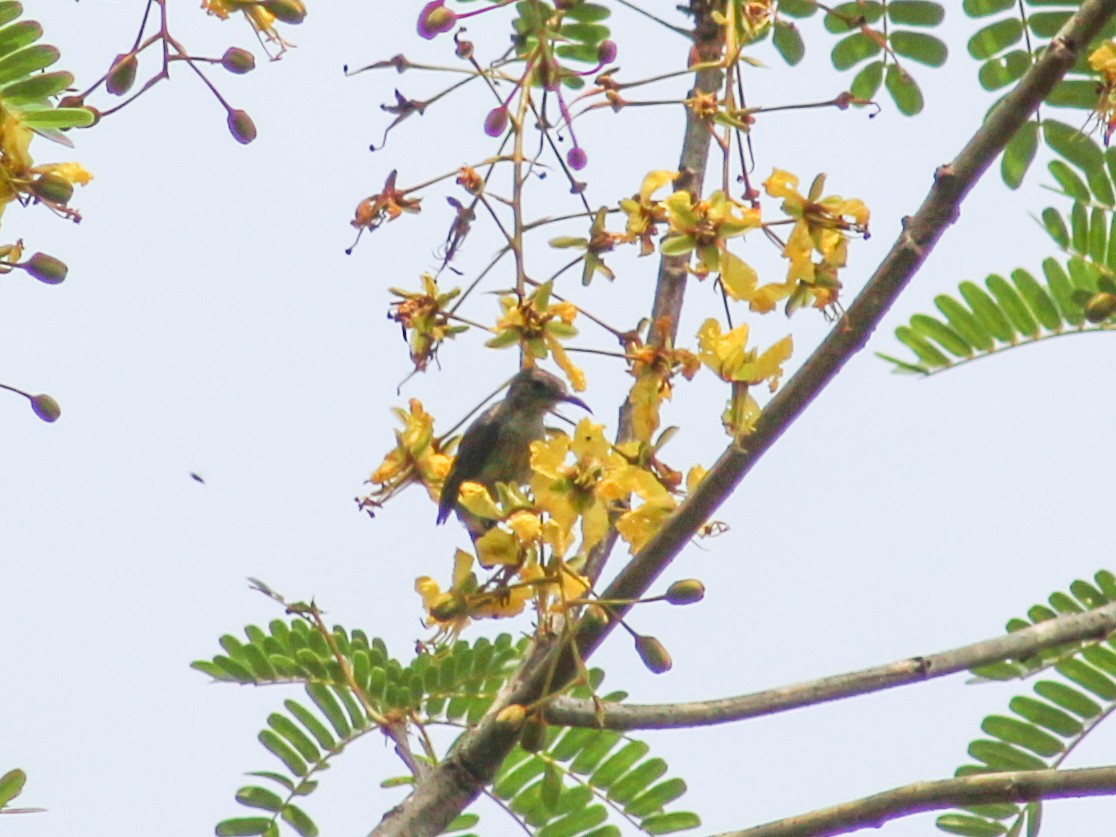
[1094,624]
[874,811]
[456,782]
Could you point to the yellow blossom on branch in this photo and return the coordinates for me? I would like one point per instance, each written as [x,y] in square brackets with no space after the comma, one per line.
[653,367]
[640,523]
[50,184]
[539,326]
[705,226]
[644,214]
[1103,62]
[821,226]
[727,354]
[424,315]
[451,610]
[568,492]
[417,457]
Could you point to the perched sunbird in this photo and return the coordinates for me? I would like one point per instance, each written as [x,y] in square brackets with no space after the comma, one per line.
[497,446]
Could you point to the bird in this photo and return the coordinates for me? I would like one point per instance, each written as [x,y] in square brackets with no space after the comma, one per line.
[497,446]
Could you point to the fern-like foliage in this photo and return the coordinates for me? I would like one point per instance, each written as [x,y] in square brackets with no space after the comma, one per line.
[1075,295]
[569,786]
[875,35]
[1007,45]
[1043,727]
[25,91]
[580,776]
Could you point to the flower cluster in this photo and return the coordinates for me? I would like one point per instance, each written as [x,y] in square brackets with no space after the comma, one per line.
[538,325]
[821,226]
[423,315]
[417,457]
[51,184]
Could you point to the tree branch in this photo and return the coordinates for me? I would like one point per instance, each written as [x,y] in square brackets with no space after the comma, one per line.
[1093,624]
[873,811]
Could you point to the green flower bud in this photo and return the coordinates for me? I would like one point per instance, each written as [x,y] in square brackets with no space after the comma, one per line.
[532,737]
[46,268]
[685,592]
[52,188]
[653,654]
[239,61]
[122,74]
[241,127]
[1100,307]
[287,11]
[45,407]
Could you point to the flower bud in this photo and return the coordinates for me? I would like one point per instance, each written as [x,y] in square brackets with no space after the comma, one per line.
[576,158]
[1100,307]
[241,127]
[287,11]
[46,268]
[122,74]
[239,61]
[685,592]
[45,407]
[496,122]
[653,654]
[52,188]
[532,737]
[434,19]
[606,52]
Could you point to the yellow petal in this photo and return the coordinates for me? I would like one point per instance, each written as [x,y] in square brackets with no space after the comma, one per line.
[476,499]
[497,546]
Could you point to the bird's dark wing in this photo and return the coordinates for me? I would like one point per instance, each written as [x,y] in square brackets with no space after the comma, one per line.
[478,441]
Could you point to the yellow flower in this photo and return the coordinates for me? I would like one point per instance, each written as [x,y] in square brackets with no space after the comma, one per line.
[498,547]
[653,368]
[424,315]
[645,214]
[1103,61]
[705,226]
[569,492]
[639,524]
[417,456]
[513,546]
[726,353]
[538,327]
[17,175]
[822,226]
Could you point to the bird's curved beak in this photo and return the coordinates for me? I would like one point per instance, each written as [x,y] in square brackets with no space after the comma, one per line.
[573,399]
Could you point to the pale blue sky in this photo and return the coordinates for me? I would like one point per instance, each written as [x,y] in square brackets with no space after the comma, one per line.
[212,323]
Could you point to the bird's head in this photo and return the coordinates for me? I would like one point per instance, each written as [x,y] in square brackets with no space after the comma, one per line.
[533,390]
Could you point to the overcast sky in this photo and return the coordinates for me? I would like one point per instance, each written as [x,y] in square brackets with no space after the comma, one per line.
[212,323]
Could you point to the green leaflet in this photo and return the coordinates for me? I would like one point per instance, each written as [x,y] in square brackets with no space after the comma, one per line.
[1041,727]
[579,780]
